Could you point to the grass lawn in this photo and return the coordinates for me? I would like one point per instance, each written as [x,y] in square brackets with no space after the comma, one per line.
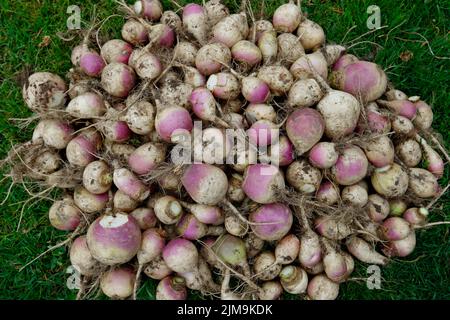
[416,39]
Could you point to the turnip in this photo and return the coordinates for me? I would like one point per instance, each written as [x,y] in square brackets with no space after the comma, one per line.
[89,202]
[322,288]
[157,269]
[231,250]
[216,146]
[332,229]
[261,182]
[344,61]
[211,58]
[424,116]
[161,35]
[327,193]
[355,195]
[303,177]
[287,249]
[282,151]
[171,288]
[195,22]
[278,78]
[401,248]
[134,32]
[304,93]
[116,50]
[258,28]
[55,133]
[271,221]
[397,207]
[118,283]
[289,49]
[390,181]
[422,183]
[262,133]
[145,217]
[201,280]
[323,155]
[364,252]
[129,183]
[403,108]
[287,17]
[231,29]
[402,126]
[302,67]
[123,202]
[265,267]
[150,9]
[253,244]
[97,177]
[294,279]
[395,228]
[380,151]
[114,239]
[140,117]
[350,79]
[235,226]
[351,166]
[86,106]
[78,51]
[151,247]
[434,162]
[204,213]
[181,255]
[81,258]
[169,182]
[44,163]
[171,118]
[255,90]
[204,105]
[44,90]
[394,94]
[268,45]
[310,249]
[168,209]
[185,53]
[118,79]
[147,66]
[64,214]
[315,270]
[334,263]
[189,227]
[224,85]
[270,290]
[304,128]
[235,192]
[255,112]
[376,121]
[416,216]
[92,64]
[235,120]
[172,19]
[409,152]
[311,35]
[378,208]
[193,77]
[246,54]
[146,157]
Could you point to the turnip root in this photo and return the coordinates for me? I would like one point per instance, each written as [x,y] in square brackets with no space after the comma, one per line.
[161,35]
[81,258]
[145,158]
[287,249]
[147,66]
[118,79]
[303,177]
[224,85]
[318,268]
[190,228]
[89,202]
[140,117]
[344,61]
[422,183]
[287,17]
[151,247]
[332,229]
[258,28]
[97,177]
[44,90]
[395,94]
[79,51]
[311,35]
[129,183]
[271,221]
[134,32]
[304,93]
[395,228]
[86,106]
[322,288]
[265,267]
[171,118]
[270,290]
[205,214]
[283,151]
[231,250]
[231,29]
[255,112]
[253,244]
[409,152]
[246,53]
[118,283]
[195,22]
[235,226]
[114,239]
[255,90]
[116,50]
[294,279]
[397,207]
[378,208]
[204,105]
[201,280]
[114,131]
[416,216]
[355,195]
[403,108]
[64,214]
[334,263]
[364,252]
[157,269]
[262,133]
[327,193]
[390,181]
[173,20]
[289,49]
[92,64]
[310,249]
[193,77]
[304,128]
[278,78]
[123,202]
[215,11]
[171,288]
[323,155]
[351,166]
[261,181]
[402,126]
[185,53]
[434,162]
[150,9]
[424,116]
[168,209]
[380,151]
[376,121]
[211,58]
[401,248]
[145,217]
[55,133]
[235,192]
[268,45]
[301,68]
[181,255]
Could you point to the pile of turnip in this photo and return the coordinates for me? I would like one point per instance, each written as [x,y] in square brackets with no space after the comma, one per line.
[356,171]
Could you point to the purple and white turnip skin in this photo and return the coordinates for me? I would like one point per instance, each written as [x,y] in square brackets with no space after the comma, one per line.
[434,162]
[364,252]
[211,58]
[173,20]
[114,131]
[195,22]
[283,151]
[390,181]
[301,68]
[424,116]
[140,117]
[265,266]
[255,112]
[145,217]
[304,127]
[55,133]
[86,106]
[261,181]
[323,155]
[181,255]
[81,258]
[294,279]
[287,17]
[268,45]
[403,108]
[90,202]
[401,248]
[44,90]
[322,288]
[118,79]
[270,290]
[185,53]
[327,193]
[205,183]
[317,269]
[147,66]
[64,214]
[203,104]
[304,93]
[351,166]
[146,157]
[376,121]
[152,245]
[262,133]
[409,152]
[116,50]
[171,288]
[170,119]
[97,177]
[118,283]
[340,111]
[193,77]
[205,214]
[362,79]
[334,263]
[189,227]
[129,183]
[246,53]
[255,90]
[416,216]
[231,29]
[289,49]
[215,11]
[311,35]
[134,32]
[114,239]
[355,195]
[150,9]
[77,52]
[92,64]
[168,209]
[287,249]
[224,85]
[257,28]
[344,61]
[331,228]
[380,151]
[397,207]
[378,209]
[123,202]
[271,221]
[162,35]
[303,177]
[395,228]
[278,78]
[422,183]
[157,269]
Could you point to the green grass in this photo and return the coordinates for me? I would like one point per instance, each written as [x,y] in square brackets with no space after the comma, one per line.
[423,275]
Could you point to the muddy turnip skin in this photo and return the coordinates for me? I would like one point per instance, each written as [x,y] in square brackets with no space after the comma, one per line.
[279,214]
[351,166]
[260,182]
[118,283]
[118,79]
[44,90]
[81,258]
